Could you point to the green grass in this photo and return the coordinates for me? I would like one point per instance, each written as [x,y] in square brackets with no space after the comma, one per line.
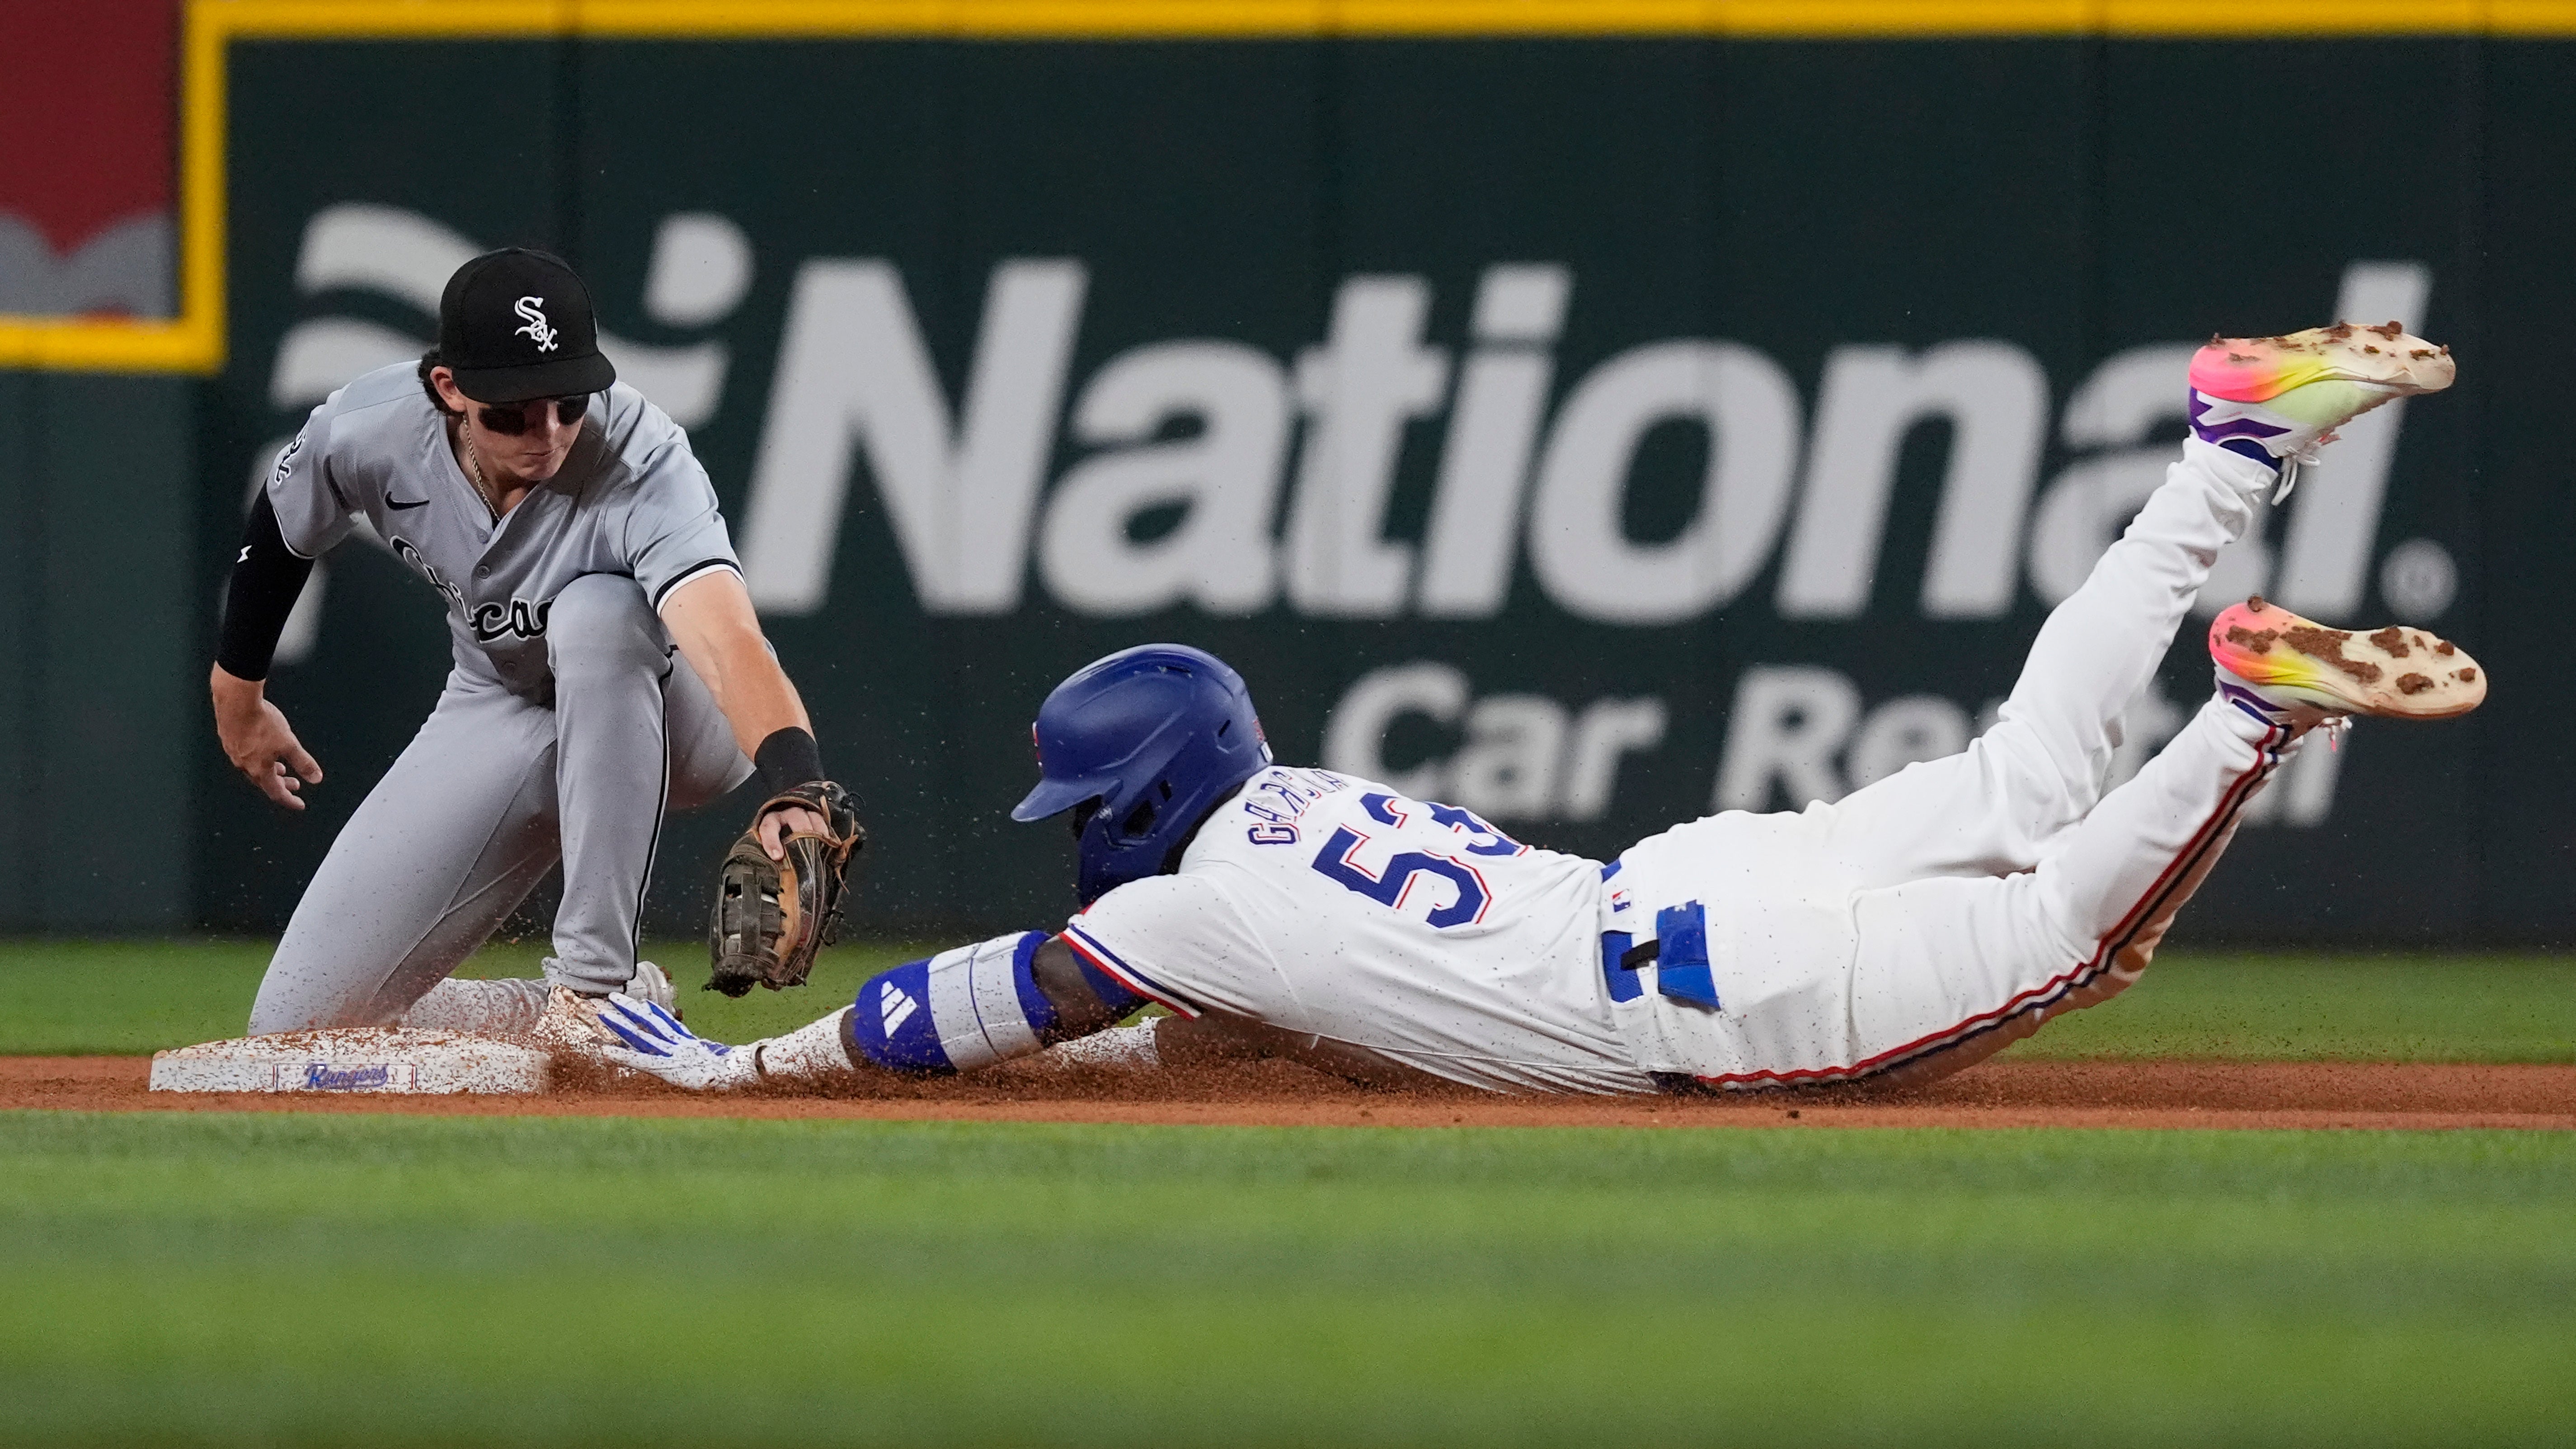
[119,997]
[2319,1006]
[111,998]
[296,1279]
[258,1279]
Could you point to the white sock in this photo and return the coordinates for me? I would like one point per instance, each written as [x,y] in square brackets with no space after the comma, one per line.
[1119,1046]
[812,1053]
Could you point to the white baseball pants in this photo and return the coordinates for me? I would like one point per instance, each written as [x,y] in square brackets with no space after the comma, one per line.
[493,791]
[1926,921]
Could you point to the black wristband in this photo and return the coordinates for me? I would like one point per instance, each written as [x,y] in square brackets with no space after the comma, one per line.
[266,580]
[787,759]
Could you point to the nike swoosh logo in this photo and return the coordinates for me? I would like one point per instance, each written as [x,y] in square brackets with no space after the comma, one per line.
[415,503]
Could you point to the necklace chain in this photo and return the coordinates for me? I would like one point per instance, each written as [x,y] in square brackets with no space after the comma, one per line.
[474,464]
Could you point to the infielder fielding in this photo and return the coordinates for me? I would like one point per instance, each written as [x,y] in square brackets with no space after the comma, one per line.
[1911,929]
[607,667]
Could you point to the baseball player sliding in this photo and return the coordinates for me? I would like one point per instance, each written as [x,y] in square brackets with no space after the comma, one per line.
[1913,928]
[607,666]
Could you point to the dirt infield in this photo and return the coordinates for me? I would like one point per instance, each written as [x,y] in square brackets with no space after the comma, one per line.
[2137,1094]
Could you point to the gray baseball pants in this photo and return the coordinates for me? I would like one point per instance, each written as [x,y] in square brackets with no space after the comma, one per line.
[493,791]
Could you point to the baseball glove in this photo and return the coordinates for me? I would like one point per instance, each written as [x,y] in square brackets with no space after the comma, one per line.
[772,916]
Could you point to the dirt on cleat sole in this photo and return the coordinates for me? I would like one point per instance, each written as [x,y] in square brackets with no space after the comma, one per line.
[2385,359]
[2391,673]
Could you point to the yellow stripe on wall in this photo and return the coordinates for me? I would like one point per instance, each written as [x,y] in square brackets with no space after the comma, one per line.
[1290,19]
[194,341]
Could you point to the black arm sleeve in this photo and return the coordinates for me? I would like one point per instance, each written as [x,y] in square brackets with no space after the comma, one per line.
[267,577]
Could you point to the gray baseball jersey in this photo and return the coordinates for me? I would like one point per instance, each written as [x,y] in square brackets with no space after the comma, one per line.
[630,500]
[567,727]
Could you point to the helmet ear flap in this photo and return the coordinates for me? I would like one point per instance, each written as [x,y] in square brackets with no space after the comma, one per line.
[1139,822]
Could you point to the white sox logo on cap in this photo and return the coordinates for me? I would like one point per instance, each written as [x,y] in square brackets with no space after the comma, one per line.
[538,328]
[516,325]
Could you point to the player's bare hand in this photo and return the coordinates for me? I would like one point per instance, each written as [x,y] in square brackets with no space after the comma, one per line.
[789,820]
[257,739]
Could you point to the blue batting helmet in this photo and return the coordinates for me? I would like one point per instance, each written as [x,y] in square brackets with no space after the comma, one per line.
[1159,735]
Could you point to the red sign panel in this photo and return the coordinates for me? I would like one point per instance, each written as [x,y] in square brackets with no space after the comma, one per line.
[88,123]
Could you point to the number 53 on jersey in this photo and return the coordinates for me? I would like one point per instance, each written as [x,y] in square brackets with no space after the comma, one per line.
[1380,868]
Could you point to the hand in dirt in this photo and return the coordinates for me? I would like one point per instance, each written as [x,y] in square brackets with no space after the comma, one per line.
[656,1044]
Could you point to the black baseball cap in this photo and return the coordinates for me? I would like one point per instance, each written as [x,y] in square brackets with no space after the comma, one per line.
[516,324]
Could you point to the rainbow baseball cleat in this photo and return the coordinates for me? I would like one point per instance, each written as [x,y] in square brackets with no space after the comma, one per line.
[2395,673]
[2278,399]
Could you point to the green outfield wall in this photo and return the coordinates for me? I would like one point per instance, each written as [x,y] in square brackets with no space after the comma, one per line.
[101,670]
[1595,432]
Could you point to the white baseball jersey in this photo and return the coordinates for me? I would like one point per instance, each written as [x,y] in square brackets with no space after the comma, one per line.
[631,500]
[1911,928]
[1339,908]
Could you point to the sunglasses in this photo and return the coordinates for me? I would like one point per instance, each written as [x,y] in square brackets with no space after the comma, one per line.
[512,419]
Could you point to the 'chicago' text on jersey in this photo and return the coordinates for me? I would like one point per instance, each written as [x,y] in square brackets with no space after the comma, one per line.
[519,618]
[403,550]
